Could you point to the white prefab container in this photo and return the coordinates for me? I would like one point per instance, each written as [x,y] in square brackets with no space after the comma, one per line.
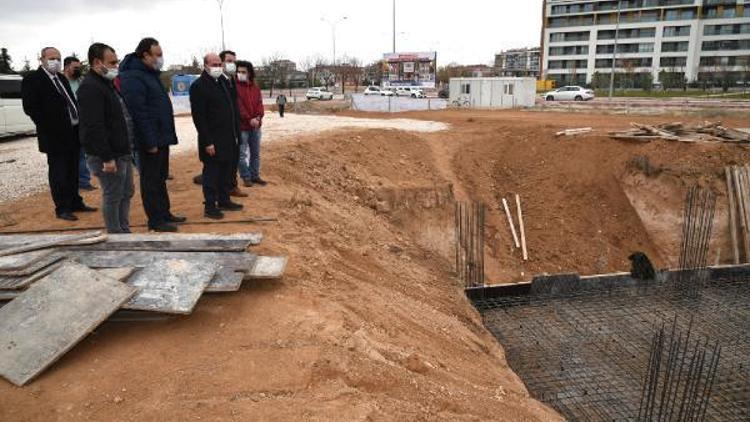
[492,92]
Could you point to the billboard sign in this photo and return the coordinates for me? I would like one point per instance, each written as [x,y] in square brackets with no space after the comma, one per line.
[411,69]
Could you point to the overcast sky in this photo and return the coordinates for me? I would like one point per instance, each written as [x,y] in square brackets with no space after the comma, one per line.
[466,31]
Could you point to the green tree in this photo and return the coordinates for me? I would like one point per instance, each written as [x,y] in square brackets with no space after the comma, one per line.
[6,62]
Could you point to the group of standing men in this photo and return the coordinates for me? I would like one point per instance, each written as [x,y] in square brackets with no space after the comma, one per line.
[121,115]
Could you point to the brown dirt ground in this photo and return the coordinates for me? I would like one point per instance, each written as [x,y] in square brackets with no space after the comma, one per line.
[369,322]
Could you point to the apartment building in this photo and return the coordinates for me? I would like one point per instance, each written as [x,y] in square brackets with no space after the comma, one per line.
[519,62]
[694,39]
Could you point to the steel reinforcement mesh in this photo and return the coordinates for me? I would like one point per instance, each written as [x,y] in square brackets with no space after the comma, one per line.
[586,354]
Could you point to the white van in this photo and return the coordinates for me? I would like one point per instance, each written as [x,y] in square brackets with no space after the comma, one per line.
[13,121]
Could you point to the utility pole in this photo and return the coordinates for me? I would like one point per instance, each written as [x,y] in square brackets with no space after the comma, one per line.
[333,33]
[221,16]
[394,26]
[614,55]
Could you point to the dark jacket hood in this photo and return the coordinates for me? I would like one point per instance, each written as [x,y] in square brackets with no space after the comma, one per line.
[132,62]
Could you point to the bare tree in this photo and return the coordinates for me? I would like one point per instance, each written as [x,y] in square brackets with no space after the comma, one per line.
[271,71]
[312,66]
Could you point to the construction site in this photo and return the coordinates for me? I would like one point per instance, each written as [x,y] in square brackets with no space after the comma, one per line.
[452,265]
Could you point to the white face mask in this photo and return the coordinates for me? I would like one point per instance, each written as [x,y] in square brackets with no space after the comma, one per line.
[53,66]
[231,68]
[111,74]
[215,72]
[159,63]
[242,77]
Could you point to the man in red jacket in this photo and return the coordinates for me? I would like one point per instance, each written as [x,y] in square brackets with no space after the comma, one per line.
[251,119]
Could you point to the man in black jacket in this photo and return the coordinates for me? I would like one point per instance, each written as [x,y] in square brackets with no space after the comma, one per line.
[216,118]
[106,135]
[153,117]
[49,101]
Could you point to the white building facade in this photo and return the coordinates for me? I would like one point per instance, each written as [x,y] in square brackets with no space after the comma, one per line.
[696,39]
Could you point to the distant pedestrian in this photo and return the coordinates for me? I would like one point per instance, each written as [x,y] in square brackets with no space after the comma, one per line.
[250,101]
[72,71]
[281,102]
[51,104]
[107,134]
[216,118]
[153,117]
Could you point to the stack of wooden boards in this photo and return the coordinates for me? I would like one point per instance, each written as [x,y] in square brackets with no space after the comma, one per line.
[738,196]
[56,289]
[705,132]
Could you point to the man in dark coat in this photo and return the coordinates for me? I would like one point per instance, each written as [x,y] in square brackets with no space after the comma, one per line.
[106,135]
[216,118]
[51,104]
[152,113]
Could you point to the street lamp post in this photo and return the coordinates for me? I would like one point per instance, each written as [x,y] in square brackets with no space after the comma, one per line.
[394,26]
[221,16]
[333,32]
[614,55]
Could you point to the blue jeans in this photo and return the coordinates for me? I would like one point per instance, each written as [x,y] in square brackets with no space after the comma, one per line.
[117,191]
[249,165]
[84,175]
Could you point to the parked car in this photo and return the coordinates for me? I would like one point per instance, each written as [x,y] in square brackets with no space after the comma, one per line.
[13,121]
[387,92]
[570,93]
[444,93]
[408,91]
[418,93]
[319,94]
[373,90]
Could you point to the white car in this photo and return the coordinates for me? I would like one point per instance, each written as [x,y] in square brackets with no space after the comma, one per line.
[570,93]
[13,121]
[375,90]
[319,94]
[407,91]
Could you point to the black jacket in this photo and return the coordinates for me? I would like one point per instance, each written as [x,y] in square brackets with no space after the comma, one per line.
[216,117]
[104,132]
[148,103]
[48,108]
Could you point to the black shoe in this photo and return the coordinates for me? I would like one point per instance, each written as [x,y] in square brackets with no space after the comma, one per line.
[230,206]
[213,213]
[88,188]
[198,180]
[164,228]
[259,181]
[171,218]
[85,208]
[67,216]
[248,183]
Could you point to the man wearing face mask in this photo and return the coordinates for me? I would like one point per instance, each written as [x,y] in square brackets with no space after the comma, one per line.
[152,113]
[216,118]
[106,135]
[72,71]
[51,104]
[229,61]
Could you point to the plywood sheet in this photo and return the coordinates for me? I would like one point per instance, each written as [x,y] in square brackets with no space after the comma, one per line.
[22,260]
[268,267]
[226,280]
[119,274]
[170,286]
[35,267]
[37,245]
[52,316]
[19,239]
[238,261]
[21,282]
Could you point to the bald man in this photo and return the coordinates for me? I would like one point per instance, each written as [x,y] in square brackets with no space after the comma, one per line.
[51,104]
[217,120]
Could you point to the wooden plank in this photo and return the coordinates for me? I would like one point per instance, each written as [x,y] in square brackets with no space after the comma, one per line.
[22,260]
[46,321]
[21,239]
[35,267]
[226,280]
[119,274]
[170,286]
[510,223]
[47,244]
[238,261]
[742,213]
[732,215]
[522,228]
[170,246]
[268,267]
[16,283]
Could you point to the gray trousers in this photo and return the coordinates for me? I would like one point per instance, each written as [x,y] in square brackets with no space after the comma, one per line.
[117,190]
